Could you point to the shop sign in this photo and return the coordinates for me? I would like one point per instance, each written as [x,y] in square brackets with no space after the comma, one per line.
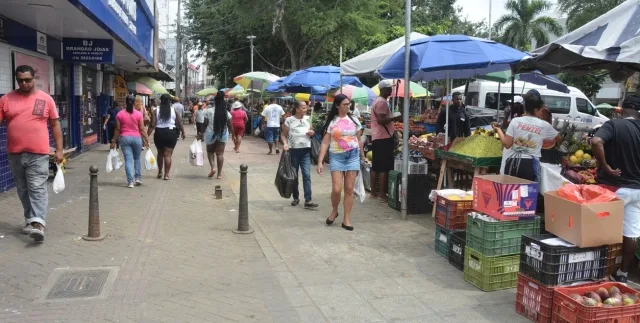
[41,41]
[41,67]
[126,10]
[87,50]
[3,29]
[120,90]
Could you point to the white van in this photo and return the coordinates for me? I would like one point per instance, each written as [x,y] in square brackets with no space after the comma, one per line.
[574,106]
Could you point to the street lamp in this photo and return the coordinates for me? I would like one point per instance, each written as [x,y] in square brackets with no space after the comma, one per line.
[251,38]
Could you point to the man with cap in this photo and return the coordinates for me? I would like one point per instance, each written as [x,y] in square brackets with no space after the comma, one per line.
[459,123]
[516,109]
[616,147]
[382,132]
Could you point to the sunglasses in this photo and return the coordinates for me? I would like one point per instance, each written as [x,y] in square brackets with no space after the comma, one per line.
[24,80]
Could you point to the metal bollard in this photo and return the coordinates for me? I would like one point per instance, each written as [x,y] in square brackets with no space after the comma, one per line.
[94,208]
[243,208]
[218,192]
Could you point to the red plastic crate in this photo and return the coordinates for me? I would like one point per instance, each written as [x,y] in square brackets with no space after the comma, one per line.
[614,258]
[534,300]
[565,309]
[452,214]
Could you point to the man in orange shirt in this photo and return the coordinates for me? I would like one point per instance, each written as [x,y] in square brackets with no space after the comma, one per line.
[27,111]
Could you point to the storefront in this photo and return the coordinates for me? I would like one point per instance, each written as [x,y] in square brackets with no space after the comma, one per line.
[89,106]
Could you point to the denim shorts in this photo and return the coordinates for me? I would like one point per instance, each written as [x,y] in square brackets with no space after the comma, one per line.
[272,134]
[347,161]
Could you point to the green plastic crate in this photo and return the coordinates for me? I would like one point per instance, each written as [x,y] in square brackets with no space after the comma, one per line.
[499,238]
[490,273]
[442,241]
[473,161]
[393,189]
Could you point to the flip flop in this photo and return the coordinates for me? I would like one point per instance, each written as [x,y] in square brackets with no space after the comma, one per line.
[211,173]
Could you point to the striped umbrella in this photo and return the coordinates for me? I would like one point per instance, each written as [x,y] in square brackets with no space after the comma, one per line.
[207,91]
[152,84]
[362,95]
[415,90]
[255,80]
[139,88]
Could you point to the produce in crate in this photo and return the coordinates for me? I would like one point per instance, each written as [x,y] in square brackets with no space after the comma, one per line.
[478,146]
[602,297]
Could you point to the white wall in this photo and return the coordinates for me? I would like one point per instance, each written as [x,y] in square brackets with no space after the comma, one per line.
[6,70]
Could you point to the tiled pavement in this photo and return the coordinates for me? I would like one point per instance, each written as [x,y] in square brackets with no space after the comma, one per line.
[179,261]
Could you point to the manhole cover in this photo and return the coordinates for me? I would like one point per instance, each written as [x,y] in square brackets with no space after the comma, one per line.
[80,283]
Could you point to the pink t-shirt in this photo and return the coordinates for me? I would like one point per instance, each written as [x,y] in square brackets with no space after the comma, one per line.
[129,125]
[27,117]
[237,117]
[380,107]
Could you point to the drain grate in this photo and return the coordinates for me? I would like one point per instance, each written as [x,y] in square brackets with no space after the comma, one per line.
[79,284]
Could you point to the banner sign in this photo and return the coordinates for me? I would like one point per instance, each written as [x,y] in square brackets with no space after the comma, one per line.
[87,50]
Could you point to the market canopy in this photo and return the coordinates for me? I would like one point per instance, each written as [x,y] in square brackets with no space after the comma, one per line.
[207,91]
[415,90]
[372,61]
[139,88]
[611,42]
[362,95]
[316,80]
[452,56]
[256,80]
[152,84]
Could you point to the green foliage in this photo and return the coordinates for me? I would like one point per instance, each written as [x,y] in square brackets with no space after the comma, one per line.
[525,22]
[580,12]
[589,84]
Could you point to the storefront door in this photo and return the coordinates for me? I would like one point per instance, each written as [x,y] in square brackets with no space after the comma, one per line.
[61,76]
[89,106]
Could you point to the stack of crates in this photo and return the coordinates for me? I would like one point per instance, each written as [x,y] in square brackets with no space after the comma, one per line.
[492,251]
[450,219]
[418,189]
[545,263]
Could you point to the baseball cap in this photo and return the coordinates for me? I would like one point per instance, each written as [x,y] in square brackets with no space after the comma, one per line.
[385,84]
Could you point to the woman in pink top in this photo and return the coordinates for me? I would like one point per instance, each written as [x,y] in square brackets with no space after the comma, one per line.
[238,120]
[130,131]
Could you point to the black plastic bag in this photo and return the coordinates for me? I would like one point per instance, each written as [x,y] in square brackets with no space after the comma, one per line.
[286,177]
[315,151]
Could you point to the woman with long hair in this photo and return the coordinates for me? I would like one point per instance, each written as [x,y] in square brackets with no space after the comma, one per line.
[139,105]
[239,118]
[218,126]
[164,120]
[130,132]
[341,138]
[110,121]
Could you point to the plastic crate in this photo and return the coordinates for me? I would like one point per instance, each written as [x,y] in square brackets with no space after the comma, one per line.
[418,189]
[414,168]
[490,273]
[614,258]
[393,189]
[499,238]
[442,241]
[452,214]
[565,309]
[557,265]
[457,241]
[534,300]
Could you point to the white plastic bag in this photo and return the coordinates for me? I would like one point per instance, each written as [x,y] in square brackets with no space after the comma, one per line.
[196,155]
[257,132]
[150,162]
[117,160]
[358,189]
[109,163]
[58,181]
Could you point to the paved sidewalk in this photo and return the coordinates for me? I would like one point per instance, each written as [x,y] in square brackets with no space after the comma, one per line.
[178,261]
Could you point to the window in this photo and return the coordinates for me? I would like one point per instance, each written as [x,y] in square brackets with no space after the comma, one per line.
[491,100]
[471,99]
[557,104]
[584,106]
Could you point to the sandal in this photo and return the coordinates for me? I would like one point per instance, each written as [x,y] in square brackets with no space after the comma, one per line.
[211,173]
[159,175]
[166,178]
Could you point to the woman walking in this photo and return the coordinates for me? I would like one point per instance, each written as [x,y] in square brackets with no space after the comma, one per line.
[217,129]
[164,120]
[238,120]
[130,132]
[110,121]
[139,105]
[296,137]
[342,138]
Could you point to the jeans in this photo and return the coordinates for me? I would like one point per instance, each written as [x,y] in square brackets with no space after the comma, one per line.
[301,159]
[132,149]
[31,172]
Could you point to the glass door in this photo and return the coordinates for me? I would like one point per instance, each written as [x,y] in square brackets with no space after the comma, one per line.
[61,97]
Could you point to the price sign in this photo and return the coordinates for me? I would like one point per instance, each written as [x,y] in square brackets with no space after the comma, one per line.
[457,250]
[581,257]
[534,253]
[443,238]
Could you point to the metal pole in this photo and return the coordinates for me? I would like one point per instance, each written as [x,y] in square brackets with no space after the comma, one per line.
[490,3]
[405,114]
[446,125]
[243,208]
[341,71]
[251,38]
[94,207]
[178,62]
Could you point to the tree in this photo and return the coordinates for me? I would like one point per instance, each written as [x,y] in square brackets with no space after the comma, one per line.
[580,12]
[589,84]
[525,22]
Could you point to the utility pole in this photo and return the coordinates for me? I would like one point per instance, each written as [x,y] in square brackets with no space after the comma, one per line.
[178,63]
[251,38]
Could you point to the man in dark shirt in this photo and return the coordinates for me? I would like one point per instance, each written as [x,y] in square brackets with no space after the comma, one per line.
[616,147]
[459,124]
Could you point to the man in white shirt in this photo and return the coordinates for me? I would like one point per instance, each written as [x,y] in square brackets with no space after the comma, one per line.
[272,114]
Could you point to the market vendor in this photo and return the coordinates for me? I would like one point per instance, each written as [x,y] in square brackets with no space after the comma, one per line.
[523,141]
[615,146]
[459,123]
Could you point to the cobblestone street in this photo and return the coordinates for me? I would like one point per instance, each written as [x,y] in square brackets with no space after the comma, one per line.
[175,259]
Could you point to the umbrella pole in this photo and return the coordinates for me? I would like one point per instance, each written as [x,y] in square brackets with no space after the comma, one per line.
[446,124]
[405,115]
[498,106]
[340,71]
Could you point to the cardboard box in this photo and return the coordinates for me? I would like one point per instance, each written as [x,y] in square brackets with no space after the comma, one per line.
[586,225]
[505,197]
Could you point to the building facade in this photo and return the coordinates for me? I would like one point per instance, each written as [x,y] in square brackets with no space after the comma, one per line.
[84,53]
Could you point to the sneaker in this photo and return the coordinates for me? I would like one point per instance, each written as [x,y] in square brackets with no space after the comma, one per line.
[130,185]
[295,202]
[37,233]
[138,182]
[310,205]
[619,277]
[27,229]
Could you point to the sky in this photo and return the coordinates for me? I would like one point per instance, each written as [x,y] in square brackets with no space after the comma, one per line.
[476,10]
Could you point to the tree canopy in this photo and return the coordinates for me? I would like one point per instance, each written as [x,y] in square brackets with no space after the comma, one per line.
[294,34]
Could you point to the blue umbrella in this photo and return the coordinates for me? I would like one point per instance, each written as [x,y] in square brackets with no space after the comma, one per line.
[535,77]
[316,80]
[452,56]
